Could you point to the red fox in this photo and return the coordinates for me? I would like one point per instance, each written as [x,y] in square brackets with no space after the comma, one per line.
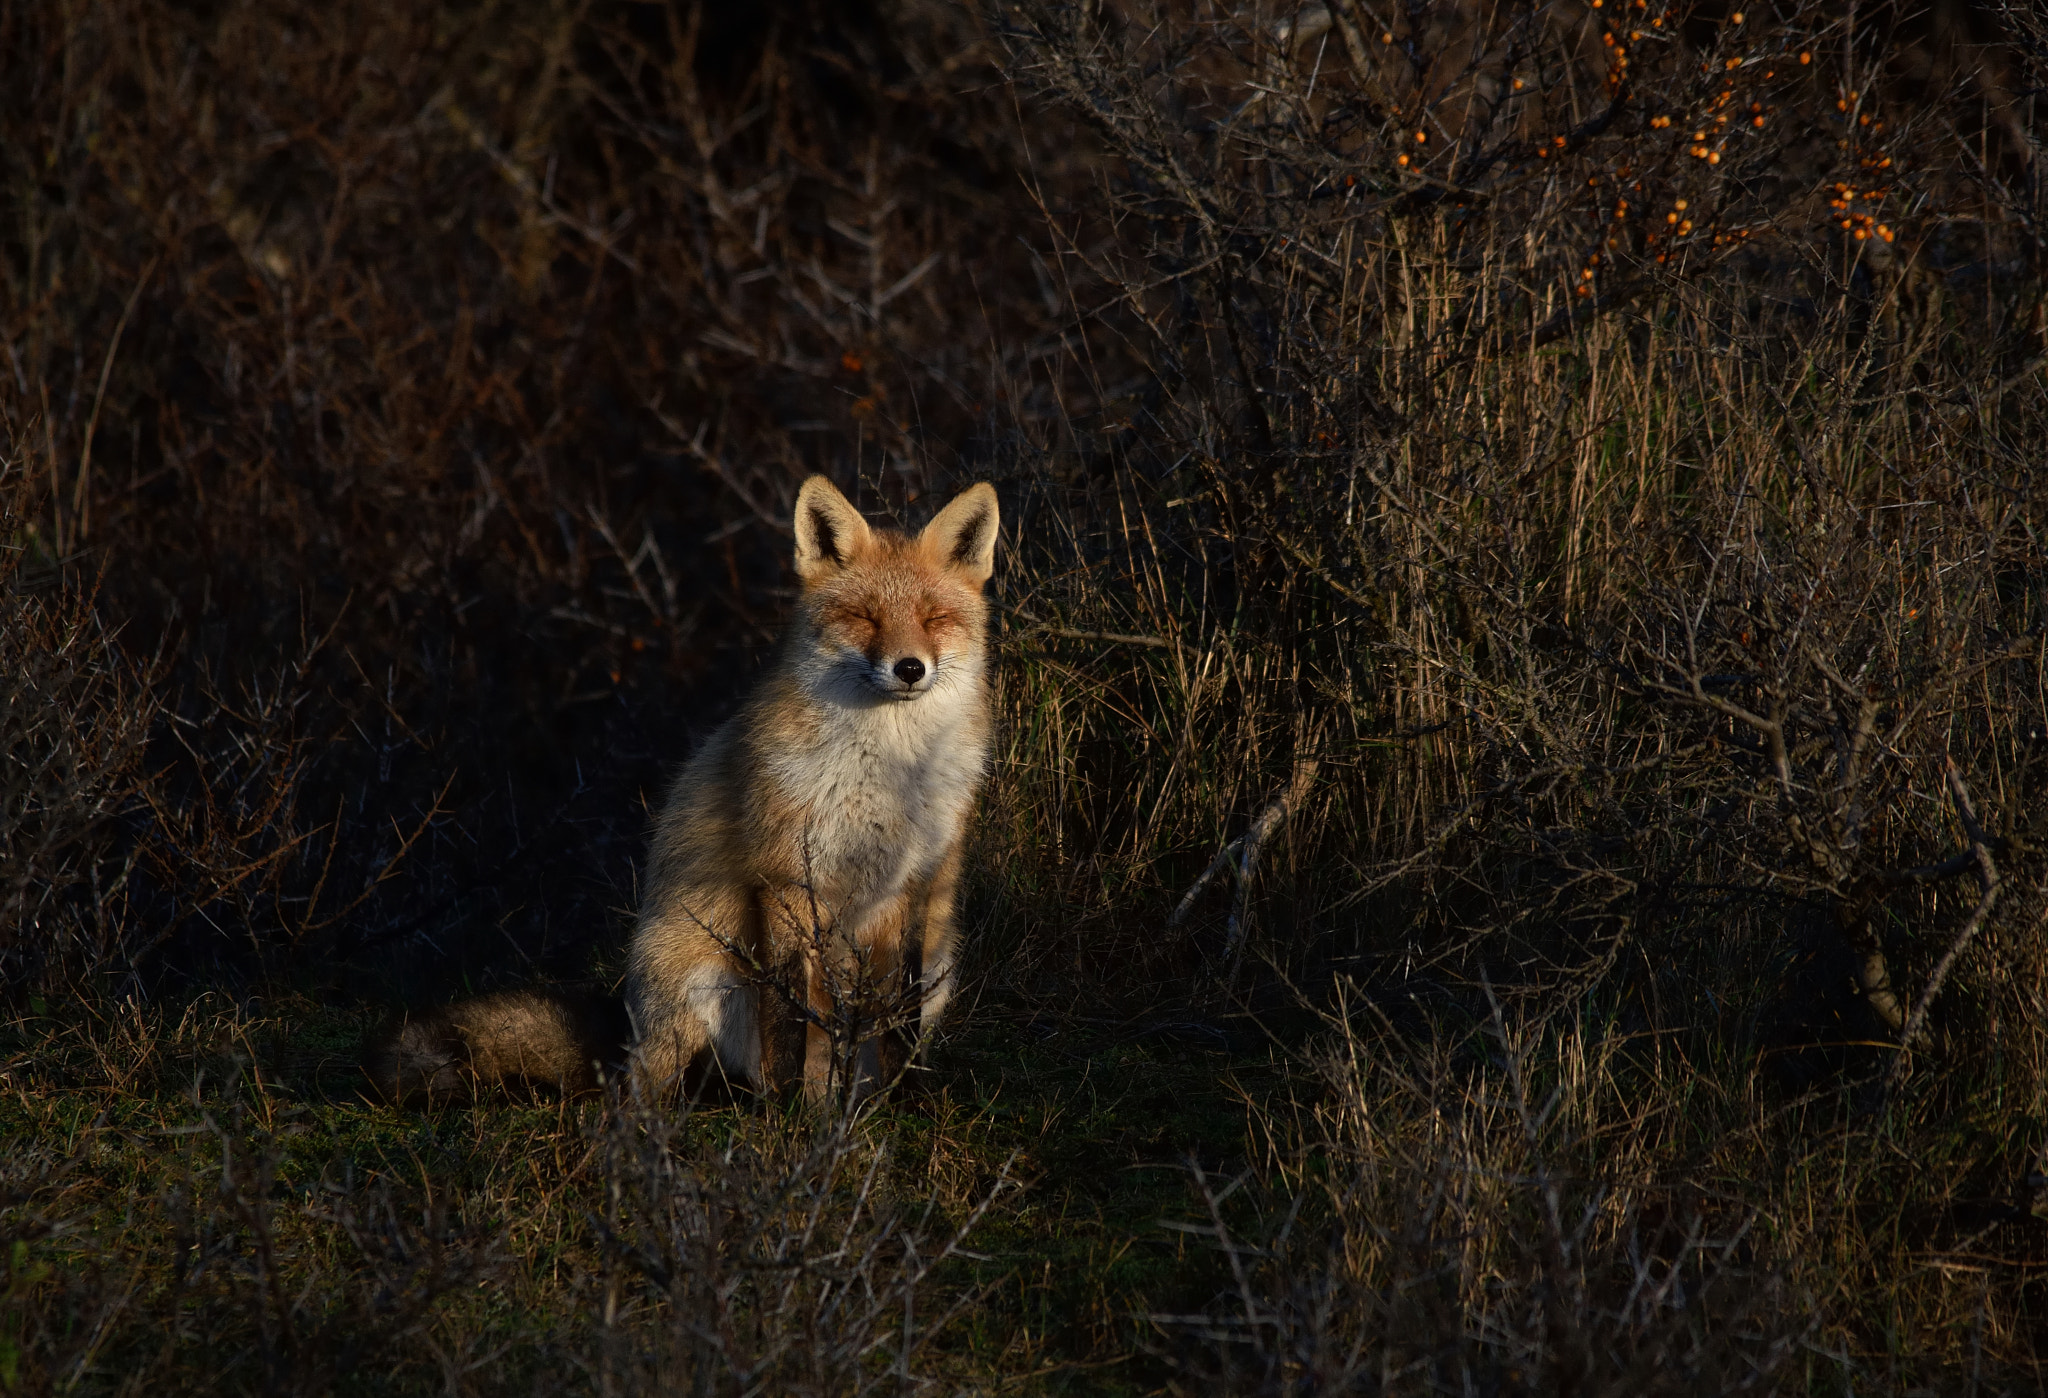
[801,882]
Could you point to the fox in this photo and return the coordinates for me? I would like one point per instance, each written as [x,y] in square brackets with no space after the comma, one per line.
[798,928]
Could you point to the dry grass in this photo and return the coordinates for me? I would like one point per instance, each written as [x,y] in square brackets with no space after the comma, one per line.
[206,1205]
[1540,623]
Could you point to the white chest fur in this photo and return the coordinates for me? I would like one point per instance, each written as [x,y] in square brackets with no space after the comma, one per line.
[885,789]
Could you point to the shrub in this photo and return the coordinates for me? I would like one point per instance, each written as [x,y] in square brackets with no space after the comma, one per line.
[75,711]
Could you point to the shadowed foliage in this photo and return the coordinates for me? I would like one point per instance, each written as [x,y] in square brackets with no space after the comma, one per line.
[1515,858]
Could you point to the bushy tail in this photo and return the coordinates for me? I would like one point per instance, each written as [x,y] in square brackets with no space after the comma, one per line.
[514,1041]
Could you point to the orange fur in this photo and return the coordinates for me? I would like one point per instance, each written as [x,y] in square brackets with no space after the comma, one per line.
[801,881]
[806,860]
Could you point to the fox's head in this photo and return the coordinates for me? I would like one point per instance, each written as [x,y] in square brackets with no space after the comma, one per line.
[886,617]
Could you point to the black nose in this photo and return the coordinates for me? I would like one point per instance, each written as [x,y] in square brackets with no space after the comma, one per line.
[910,669]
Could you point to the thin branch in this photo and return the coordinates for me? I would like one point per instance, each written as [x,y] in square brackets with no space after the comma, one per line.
[1242,854]
[79,517]
[1989,881]
[1037,627]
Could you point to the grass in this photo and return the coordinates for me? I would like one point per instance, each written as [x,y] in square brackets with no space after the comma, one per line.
[240,1133]
[1518,853]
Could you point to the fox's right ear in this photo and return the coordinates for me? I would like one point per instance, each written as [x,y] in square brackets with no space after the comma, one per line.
[829,531]
[963,535]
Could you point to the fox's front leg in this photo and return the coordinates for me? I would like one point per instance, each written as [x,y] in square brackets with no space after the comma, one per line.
[936,952]
[812,996]
[785,1018]
[927,965]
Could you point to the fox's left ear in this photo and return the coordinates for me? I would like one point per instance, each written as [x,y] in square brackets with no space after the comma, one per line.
[829,531]
[963,535]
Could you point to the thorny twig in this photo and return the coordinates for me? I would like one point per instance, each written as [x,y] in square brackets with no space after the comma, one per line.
[1989,884]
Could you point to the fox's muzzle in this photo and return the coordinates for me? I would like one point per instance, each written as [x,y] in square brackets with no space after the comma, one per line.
[906,677]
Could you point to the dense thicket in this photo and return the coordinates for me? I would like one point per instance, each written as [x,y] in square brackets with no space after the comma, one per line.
[1526,575]
[427,388]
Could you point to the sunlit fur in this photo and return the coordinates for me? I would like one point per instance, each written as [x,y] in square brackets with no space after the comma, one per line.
[818,833]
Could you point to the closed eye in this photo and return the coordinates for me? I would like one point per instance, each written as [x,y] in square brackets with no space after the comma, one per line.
[857,623]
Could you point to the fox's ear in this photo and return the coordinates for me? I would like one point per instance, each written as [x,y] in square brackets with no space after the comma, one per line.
[829,531]
[963,535]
